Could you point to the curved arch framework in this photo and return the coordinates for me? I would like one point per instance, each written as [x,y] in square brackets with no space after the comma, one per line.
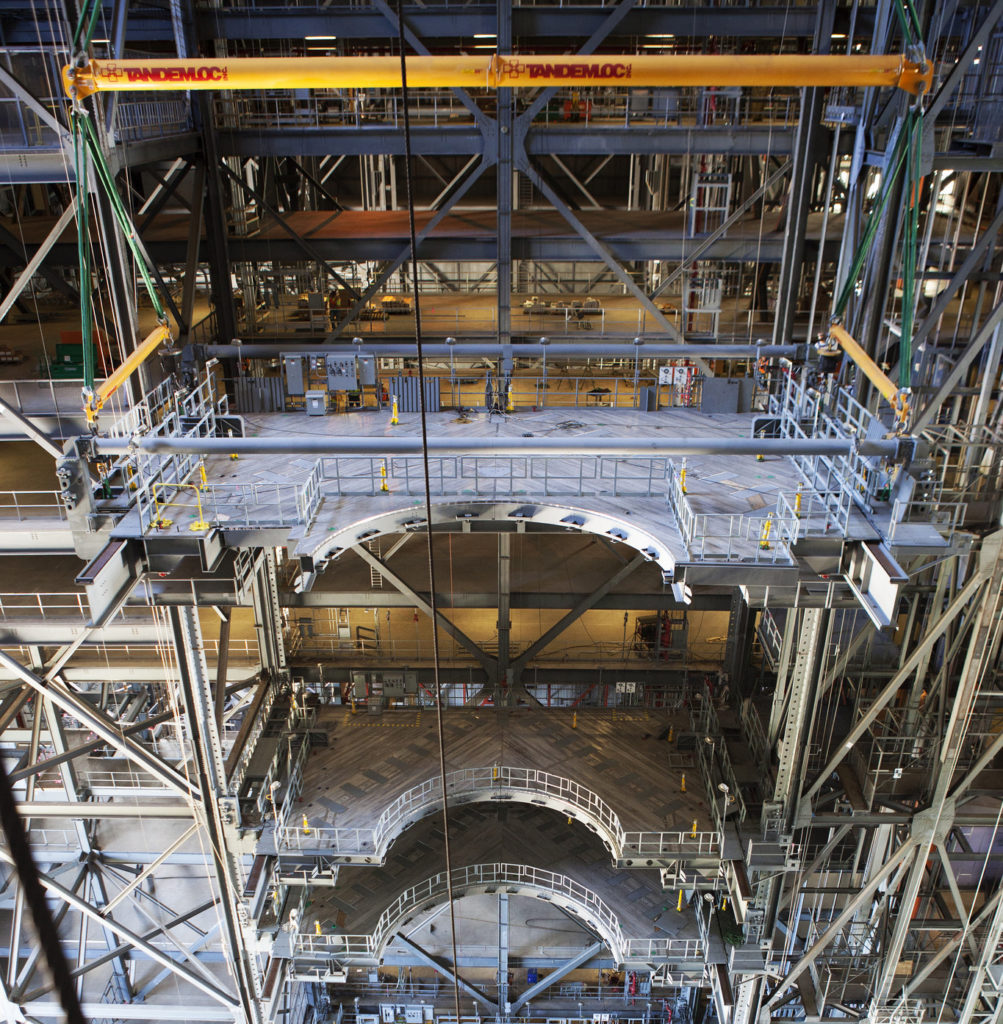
[504,783]
[574,515]
[516,879]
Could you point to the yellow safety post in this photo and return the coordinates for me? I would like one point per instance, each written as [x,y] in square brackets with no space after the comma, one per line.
[682,784]
[353,703]
[760,458]
[574,720]
[494,772]
[682,477]
[200,524]
[499,71]
[509,403]
[94,400]
[202,476]
[797,503]
[570,819]
[233,455]
[672,730]
[316,928]
[896,397]
[679,902]
[724,902]
[693,829]
[394,418]
[383,477]
[764,537]
[306,826]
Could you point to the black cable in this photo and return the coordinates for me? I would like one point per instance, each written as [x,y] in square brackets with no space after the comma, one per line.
[428,511]
[34,896]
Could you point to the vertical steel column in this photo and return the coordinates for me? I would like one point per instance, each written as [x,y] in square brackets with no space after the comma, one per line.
[794,703]
[268,615]
[504,619]
[503,993]
[505,180]
[805,157]
[218,812]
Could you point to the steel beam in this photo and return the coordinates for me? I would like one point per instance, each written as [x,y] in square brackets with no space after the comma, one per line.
[132,938]
[555,351]
[556,975]
[897,681]
[503,943]
[984,334]
[488,446]
[196,698]
[706,243]
[576,613]
[854,904]
[447,972]
[487,662]
[9,82]
[103,727]
[602,251]
[29,428]
[111,1012]
[962,65]
[36,261]
[404,254]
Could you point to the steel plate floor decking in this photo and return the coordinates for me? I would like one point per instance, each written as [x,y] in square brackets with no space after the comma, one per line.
[622,755]
[512,834]
[717,484]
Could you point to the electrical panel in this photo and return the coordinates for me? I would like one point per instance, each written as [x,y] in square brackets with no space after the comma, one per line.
[393,686]
[293,367]
[367,371]
[341,374]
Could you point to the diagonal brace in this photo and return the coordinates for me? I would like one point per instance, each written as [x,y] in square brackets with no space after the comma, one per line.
[576,613]
[556,974]
[450,975]
[458,635]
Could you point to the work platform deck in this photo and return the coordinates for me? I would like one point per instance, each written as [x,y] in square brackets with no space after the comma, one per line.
[720,518]
[622,755]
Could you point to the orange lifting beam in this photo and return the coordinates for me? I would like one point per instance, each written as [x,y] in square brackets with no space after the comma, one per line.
[896,397]
[529,70]
[93,403]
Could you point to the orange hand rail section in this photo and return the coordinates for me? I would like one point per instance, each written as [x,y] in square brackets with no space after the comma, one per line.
[530,70]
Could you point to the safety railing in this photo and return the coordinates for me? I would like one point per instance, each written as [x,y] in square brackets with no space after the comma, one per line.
[374,108]
[565,891]
[261,504]
[530,784]
[70,605]
[663,949]
[144,118]
[23,506]
[722,536]
[53,838]
[497,475]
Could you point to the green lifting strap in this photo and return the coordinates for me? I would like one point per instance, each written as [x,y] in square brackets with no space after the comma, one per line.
[122,216]
[84,250]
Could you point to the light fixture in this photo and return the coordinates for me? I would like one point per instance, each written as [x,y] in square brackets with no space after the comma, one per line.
[485,35]
[311,39]
[723,788]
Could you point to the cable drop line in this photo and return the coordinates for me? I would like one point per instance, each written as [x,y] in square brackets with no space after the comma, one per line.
[428,509]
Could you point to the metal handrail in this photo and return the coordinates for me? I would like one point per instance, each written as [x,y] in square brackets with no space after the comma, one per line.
[489,783]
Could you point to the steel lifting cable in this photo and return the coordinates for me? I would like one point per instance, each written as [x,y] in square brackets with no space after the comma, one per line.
[905,154]
[436,681]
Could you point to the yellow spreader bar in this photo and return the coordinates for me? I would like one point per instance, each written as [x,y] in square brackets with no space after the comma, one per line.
[94,403]
[895,397]
[498,71]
